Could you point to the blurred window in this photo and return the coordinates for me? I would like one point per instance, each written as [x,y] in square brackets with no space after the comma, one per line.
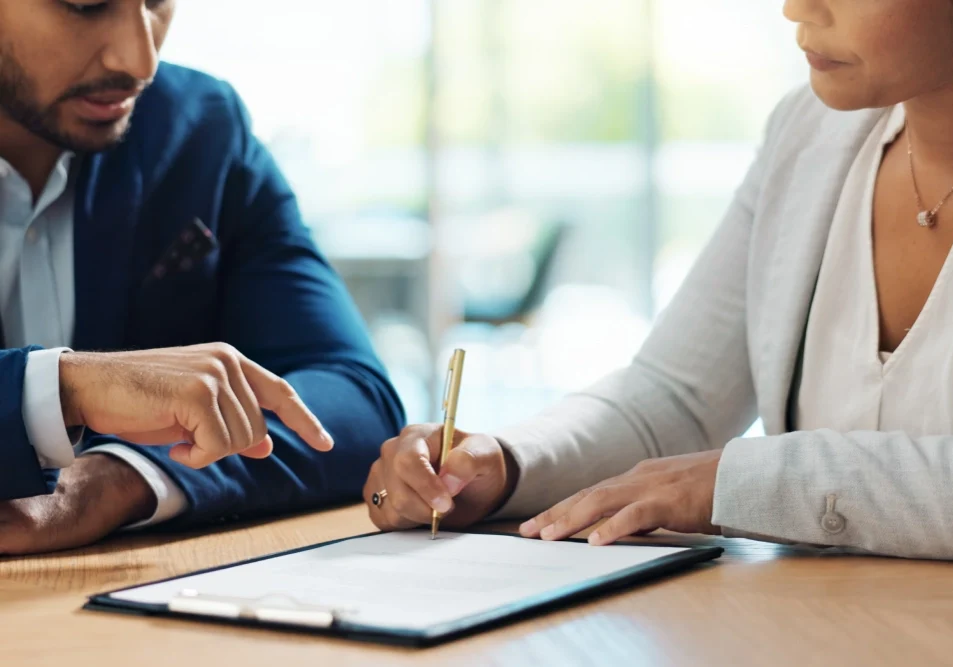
[530,179]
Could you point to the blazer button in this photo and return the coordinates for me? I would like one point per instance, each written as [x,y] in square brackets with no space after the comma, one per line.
[833,523]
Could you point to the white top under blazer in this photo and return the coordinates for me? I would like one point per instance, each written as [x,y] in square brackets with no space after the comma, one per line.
[848,384]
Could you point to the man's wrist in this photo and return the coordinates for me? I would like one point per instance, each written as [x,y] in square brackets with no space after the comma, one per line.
[129,493]
[71,367]
[171,500]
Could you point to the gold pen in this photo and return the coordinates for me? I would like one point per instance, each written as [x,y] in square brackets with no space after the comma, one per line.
[450,397]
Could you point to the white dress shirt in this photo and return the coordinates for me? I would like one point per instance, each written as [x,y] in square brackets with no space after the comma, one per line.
[37,307]
[848,383]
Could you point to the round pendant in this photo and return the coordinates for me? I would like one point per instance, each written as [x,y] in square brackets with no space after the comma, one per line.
[926,219]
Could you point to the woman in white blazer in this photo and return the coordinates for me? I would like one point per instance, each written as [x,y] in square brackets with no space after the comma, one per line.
[823,304]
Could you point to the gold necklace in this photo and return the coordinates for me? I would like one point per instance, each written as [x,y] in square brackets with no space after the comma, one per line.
[925,218]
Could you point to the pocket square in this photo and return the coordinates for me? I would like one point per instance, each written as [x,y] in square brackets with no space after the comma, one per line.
[193,244]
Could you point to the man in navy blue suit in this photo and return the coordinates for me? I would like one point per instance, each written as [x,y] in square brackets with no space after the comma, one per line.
[174,348]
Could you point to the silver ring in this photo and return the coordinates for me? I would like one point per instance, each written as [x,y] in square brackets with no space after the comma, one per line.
[378,498]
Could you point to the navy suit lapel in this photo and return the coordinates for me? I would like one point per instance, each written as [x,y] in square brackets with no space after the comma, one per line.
[108,201]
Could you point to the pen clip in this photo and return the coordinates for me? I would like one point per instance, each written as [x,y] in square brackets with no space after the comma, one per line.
[452,386]
[446,390]
[272,609]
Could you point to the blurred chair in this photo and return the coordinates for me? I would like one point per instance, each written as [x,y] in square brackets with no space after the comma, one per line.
[504,261]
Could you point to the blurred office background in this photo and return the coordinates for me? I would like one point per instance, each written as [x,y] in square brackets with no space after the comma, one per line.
[527,179]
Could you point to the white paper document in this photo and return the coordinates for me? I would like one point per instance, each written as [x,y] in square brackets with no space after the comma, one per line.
[407,581]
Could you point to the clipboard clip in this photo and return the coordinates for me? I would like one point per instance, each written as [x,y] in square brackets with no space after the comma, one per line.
[271,609]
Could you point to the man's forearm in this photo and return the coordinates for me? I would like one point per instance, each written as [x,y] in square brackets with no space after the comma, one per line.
[123,492]
[96,496]
[170,501]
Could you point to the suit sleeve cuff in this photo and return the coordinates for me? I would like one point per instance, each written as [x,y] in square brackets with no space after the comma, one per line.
[745,501]
[43,413]
[170,499]
[739,488]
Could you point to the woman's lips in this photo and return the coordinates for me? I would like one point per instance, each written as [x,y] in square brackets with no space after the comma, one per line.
[821,62]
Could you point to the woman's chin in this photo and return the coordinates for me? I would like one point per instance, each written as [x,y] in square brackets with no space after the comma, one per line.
[838,97]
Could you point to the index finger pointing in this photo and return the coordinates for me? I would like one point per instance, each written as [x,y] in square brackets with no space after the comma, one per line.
[275,394]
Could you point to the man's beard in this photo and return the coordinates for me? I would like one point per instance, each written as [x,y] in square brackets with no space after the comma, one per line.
[18,102]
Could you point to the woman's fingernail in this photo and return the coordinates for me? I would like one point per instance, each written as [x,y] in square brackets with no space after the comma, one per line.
[454,484]
[528,527]
[328,439]
[594,538]
[548,532]
[442,504]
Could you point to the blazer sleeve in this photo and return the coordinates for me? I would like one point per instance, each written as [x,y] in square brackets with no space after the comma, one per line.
[20,473]
[884,493]
[284,307]
[689,389]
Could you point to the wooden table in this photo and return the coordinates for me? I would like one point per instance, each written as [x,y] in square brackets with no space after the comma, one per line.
[759,605]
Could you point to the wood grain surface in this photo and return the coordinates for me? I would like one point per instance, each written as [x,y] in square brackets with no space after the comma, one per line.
[760,604]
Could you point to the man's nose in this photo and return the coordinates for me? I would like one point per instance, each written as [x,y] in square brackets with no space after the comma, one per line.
[132,46]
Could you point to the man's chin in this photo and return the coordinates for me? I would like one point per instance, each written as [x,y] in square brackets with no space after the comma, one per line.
[93,137]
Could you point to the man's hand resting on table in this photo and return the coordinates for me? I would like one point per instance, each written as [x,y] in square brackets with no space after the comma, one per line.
[208,397]
[95,496]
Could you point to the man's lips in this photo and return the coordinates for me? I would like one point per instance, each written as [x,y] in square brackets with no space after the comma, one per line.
[105,106]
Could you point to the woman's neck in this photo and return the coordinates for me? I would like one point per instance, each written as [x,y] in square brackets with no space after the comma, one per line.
[930,127]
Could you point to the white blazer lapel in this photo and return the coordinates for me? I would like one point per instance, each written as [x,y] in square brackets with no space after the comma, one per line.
[812,185]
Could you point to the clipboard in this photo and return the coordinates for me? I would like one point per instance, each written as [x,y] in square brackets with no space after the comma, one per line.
[280,611]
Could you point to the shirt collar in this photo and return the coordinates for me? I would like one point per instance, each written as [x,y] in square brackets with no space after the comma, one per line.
[56,185]
[896,121]
[63,163]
